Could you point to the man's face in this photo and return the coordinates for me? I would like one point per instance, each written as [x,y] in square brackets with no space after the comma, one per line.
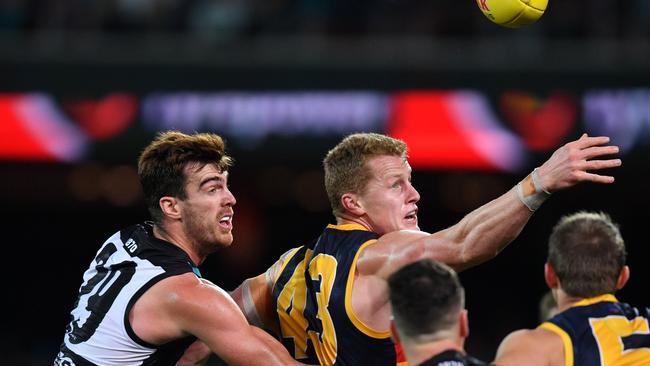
[389,199]
[208,208]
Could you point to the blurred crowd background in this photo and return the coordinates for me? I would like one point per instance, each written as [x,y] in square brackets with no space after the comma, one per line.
[233,19]
[85,85]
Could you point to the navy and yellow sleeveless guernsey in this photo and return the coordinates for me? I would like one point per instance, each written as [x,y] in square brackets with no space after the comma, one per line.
[603,331]
[312,298]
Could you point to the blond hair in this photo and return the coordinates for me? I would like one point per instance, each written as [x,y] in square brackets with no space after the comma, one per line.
[345,165]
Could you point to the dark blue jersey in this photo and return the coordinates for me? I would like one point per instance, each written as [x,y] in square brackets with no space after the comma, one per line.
[312,298]
[603,331]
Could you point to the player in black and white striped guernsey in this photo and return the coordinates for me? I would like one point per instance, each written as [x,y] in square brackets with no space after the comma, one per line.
[142,300]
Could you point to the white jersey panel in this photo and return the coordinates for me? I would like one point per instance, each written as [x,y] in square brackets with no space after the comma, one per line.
[108,286]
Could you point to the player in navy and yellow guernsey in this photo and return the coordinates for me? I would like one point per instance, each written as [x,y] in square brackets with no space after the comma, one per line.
[328,300]
[585,267]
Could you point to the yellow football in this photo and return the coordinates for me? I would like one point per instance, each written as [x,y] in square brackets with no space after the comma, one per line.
[513,13]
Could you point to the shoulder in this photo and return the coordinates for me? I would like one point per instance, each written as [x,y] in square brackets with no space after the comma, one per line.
[528,345]
[391,251]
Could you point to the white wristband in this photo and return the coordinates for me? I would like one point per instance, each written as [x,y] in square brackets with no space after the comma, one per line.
[535,200]
[538,183]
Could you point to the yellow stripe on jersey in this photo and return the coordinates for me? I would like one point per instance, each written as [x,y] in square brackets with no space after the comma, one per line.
[284,265]
[568,345]
[347,227]
[593,300]
[367,330]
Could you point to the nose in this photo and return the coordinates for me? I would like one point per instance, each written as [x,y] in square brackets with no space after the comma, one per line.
[230,198]
[413,194]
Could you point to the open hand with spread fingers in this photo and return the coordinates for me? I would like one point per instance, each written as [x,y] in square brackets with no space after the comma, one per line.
[572,163]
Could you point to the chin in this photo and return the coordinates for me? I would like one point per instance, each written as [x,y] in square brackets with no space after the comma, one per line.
[226,242]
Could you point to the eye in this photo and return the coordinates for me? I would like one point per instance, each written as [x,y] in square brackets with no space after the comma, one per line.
[214,188]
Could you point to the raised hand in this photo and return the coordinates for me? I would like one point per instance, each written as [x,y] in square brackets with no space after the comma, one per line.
[572,163]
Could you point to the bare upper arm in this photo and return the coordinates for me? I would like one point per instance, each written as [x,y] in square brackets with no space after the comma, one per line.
[188,305]
[396,249]
[536,347]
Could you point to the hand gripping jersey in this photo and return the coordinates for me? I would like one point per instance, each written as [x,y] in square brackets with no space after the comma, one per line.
[452,358]
[312,298]
[601,331]
[99,333]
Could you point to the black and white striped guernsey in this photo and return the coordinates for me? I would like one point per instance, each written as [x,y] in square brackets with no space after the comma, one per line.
[127,264]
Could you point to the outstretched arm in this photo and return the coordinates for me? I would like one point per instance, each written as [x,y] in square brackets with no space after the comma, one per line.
[484,232]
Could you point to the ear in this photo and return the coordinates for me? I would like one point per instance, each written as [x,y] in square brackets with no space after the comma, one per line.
[169,207]
[623,277]
[550,277]
[350,202]
[463,322]
[393,332]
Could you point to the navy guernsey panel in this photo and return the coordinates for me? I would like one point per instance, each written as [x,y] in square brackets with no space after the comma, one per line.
[312,298]
[603,331]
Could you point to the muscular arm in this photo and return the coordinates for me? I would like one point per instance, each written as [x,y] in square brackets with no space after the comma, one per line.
[484,232]
[184,305]
[538,347]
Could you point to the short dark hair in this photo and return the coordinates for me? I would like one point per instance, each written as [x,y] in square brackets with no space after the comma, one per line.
[426,297]
[587,253]
[161,166]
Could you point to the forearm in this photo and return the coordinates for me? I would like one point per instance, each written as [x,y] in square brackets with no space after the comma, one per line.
[279,355]
[197,354]
[484,232]
[249,304]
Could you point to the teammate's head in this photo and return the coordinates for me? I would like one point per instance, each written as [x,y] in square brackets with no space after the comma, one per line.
[428,303]
[586,253]
[164,165]
[367,175]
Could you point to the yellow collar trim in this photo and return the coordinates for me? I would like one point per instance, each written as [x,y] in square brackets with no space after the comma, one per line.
[347,227]
[593,300]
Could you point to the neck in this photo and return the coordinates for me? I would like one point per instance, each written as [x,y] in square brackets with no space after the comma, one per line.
[564,300]
[418,353]
[348,219]
[176,238]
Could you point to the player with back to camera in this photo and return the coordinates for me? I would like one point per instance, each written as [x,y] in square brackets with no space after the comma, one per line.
[429,319]
[585,267]
[142,300]
[328,300]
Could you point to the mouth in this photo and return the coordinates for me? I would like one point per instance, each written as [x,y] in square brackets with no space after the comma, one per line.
[412,217]
[226,222]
